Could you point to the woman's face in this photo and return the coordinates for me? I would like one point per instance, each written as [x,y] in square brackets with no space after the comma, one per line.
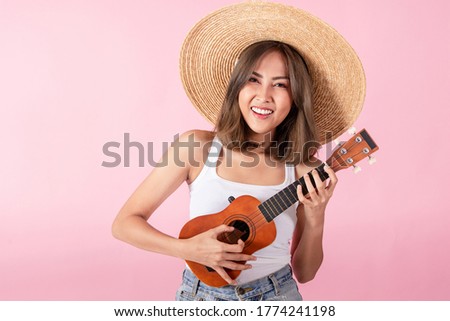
[266,99]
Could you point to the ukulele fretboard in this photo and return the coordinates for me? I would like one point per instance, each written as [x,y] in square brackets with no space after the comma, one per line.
[285,198]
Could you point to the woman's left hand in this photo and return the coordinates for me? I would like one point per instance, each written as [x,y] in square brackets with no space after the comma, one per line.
[317,198]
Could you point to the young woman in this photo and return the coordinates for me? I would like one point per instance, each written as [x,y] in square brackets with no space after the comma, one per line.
[265,138]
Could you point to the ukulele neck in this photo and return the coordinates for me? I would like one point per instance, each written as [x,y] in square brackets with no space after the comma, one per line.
[285,198]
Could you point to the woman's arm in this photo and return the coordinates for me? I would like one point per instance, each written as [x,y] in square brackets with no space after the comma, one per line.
[181,161]
[307,251]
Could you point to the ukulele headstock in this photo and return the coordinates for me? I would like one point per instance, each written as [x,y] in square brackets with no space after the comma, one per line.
[348,153]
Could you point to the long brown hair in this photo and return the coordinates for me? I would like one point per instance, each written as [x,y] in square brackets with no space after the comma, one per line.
[295,138]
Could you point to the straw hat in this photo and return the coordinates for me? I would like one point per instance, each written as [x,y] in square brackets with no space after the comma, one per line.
[214,44]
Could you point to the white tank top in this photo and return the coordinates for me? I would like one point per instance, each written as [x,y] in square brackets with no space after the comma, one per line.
[209,194]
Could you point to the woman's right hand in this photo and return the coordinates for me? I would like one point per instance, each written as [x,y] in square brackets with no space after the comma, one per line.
[206,249]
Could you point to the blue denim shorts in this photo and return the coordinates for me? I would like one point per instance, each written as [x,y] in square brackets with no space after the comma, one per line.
[278,286]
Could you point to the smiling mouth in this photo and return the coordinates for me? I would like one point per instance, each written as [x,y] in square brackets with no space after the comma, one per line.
[261,111]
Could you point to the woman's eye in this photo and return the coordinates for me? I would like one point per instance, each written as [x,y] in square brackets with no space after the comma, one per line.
[253,79]
[281,85]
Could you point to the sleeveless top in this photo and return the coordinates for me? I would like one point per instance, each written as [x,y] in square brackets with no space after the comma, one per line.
[209,194]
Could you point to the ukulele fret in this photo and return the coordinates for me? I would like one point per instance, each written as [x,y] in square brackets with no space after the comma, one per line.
[292,190]
[273,206]
[284,198]
[265,212]
[277,203]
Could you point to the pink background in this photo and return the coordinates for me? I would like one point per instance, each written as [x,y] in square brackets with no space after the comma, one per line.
[75,75]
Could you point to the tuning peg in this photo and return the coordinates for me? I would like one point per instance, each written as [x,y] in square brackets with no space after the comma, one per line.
[372,160]
[356,169]
[352,130]
[337,142]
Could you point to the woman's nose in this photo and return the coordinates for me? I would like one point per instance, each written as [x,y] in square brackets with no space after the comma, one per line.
[264,93]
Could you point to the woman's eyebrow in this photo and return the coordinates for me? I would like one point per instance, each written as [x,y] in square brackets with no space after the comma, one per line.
[274,78]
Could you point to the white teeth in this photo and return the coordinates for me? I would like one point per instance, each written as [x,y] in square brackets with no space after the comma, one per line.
[262,111]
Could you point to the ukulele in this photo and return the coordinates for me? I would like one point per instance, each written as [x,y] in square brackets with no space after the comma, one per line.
[253,220]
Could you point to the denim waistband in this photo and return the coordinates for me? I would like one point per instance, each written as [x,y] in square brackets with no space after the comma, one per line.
[273,281]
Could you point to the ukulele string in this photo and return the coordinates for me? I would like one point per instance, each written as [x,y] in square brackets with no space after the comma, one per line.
[256,217]
[259,217]
[261,220]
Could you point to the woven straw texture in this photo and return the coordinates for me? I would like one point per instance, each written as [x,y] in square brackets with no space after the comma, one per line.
[212,47]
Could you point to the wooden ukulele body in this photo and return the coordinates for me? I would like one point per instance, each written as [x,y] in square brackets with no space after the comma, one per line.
[250,225]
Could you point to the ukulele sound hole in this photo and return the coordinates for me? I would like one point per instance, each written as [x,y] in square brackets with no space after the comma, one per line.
[242,231]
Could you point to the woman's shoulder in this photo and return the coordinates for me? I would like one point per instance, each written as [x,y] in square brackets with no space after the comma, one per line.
[193,146]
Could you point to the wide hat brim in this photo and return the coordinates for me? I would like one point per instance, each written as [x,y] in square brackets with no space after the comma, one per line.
[214,44]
